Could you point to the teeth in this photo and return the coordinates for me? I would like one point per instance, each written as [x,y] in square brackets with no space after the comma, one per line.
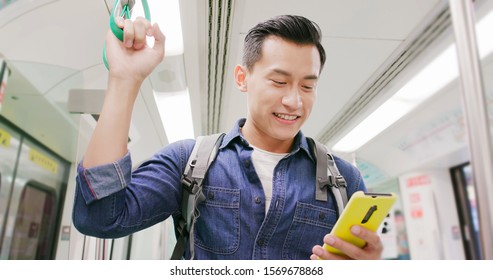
[286,117]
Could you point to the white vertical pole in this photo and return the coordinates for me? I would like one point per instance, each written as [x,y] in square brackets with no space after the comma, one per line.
[476,115]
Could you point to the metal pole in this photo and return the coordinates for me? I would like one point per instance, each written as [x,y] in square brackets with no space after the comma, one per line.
[476,116]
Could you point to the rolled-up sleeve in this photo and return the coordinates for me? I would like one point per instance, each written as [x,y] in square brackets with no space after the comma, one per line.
[101,181]
[114,200]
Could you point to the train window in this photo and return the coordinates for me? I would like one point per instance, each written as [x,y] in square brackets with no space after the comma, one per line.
[34,230]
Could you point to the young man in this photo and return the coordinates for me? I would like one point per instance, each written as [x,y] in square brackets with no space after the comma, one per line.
[260,191]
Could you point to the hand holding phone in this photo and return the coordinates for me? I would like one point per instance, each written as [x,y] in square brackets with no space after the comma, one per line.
[365,209]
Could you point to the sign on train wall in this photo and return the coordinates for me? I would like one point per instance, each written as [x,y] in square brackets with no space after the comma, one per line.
[431,216]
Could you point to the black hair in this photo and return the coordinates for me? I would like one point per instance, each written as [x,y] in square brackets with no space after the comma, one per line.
[292,28]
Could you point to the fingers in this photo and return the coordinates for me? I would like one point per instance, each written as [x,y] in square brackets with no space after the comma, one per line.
[128,33]
[371,251]
[159,38]
[346,248]
[135,32]
[141,28]
[374,246]
[319,253]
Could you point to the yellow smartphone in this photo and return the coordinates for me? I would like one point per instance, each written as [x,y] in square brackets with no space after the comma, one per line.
[365,209]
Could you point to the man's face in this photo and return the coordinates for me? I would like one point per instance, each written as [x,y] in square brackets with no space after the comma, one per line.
[281,90]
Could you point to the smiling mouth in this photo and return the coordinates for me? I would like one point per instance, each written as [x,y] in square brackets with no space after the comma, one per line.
[286,117]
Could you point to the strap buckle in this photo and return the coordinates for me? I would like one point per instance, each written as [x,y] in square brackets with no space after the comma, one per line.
[332,181]
[190,185]
[340,182]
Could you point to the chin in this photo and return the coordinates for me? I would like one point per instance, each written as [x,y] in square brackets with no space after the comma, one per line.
[285,136]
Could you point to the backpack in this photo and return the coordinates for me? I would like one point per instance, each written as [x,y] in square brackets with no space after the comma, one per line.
[203,154]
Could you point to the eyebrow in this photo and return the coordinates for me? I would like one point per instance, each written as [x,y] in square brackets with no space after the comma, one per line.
[285,73]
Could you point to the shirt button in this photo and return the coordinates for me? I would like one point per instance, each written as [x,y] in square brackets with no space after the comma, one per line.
[258,200]
[210,196]
[321,216]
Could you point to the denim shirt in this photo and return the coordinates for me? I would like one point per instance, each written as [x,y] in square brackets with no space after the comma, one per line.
[111,201]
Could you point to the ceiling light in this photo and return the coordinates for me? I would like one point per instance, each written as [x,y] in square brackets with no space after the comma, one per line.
[176,114]
[437,74]
[167,15]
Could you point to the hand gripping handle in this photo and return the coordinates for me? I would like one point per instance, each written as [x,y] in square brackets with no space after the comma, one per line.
[124,9]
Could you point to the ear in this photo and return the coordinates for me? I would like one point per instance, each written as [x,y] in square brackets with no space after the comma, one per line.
[240,77]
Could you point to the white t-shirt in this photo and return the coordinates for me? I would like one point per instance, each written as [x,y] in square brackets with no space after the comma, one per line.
[264,163]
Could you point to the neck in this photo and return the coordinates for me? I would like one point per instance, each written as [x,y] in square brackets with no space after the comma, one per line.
[265,142]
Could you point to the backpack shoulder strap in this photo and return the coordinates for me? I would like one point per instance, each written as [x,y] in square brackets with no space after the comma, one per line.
[203,154]
[328,176]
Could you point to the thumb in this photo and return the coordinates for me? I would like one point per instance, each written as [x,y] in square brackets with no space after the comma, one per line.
[159,38]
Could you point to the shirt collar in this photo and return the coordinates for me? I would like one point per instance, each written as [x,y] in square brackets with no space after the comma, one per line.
[234,135]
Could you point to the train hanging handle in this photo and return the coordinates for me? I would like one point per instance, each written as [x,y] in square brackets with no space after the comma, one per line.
[124,9]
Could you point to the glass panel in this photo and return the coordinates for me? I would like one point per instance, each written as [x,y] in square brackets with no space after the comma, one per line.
[9,147]
[50,174]
[37,103]
[34,224]
[35,198]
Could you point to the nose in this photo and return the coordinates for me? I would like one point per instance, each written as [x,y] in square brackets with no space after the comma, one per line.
[292,99]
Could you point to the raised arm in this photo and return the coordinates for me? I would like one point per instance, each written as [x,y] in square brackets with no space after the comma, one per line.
[130,62]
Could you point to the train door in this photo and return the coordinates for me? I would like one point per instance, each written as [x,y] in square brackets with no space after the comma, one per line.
[9,149]
[35,189]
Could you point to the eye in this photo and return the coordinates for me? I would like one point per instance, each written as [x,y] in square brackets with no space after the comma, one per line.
[308,87]
[278,82]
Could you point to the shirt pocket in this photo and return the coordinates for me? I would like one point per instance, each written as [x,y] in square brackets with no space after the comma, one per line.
[308,228]
[218,227]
